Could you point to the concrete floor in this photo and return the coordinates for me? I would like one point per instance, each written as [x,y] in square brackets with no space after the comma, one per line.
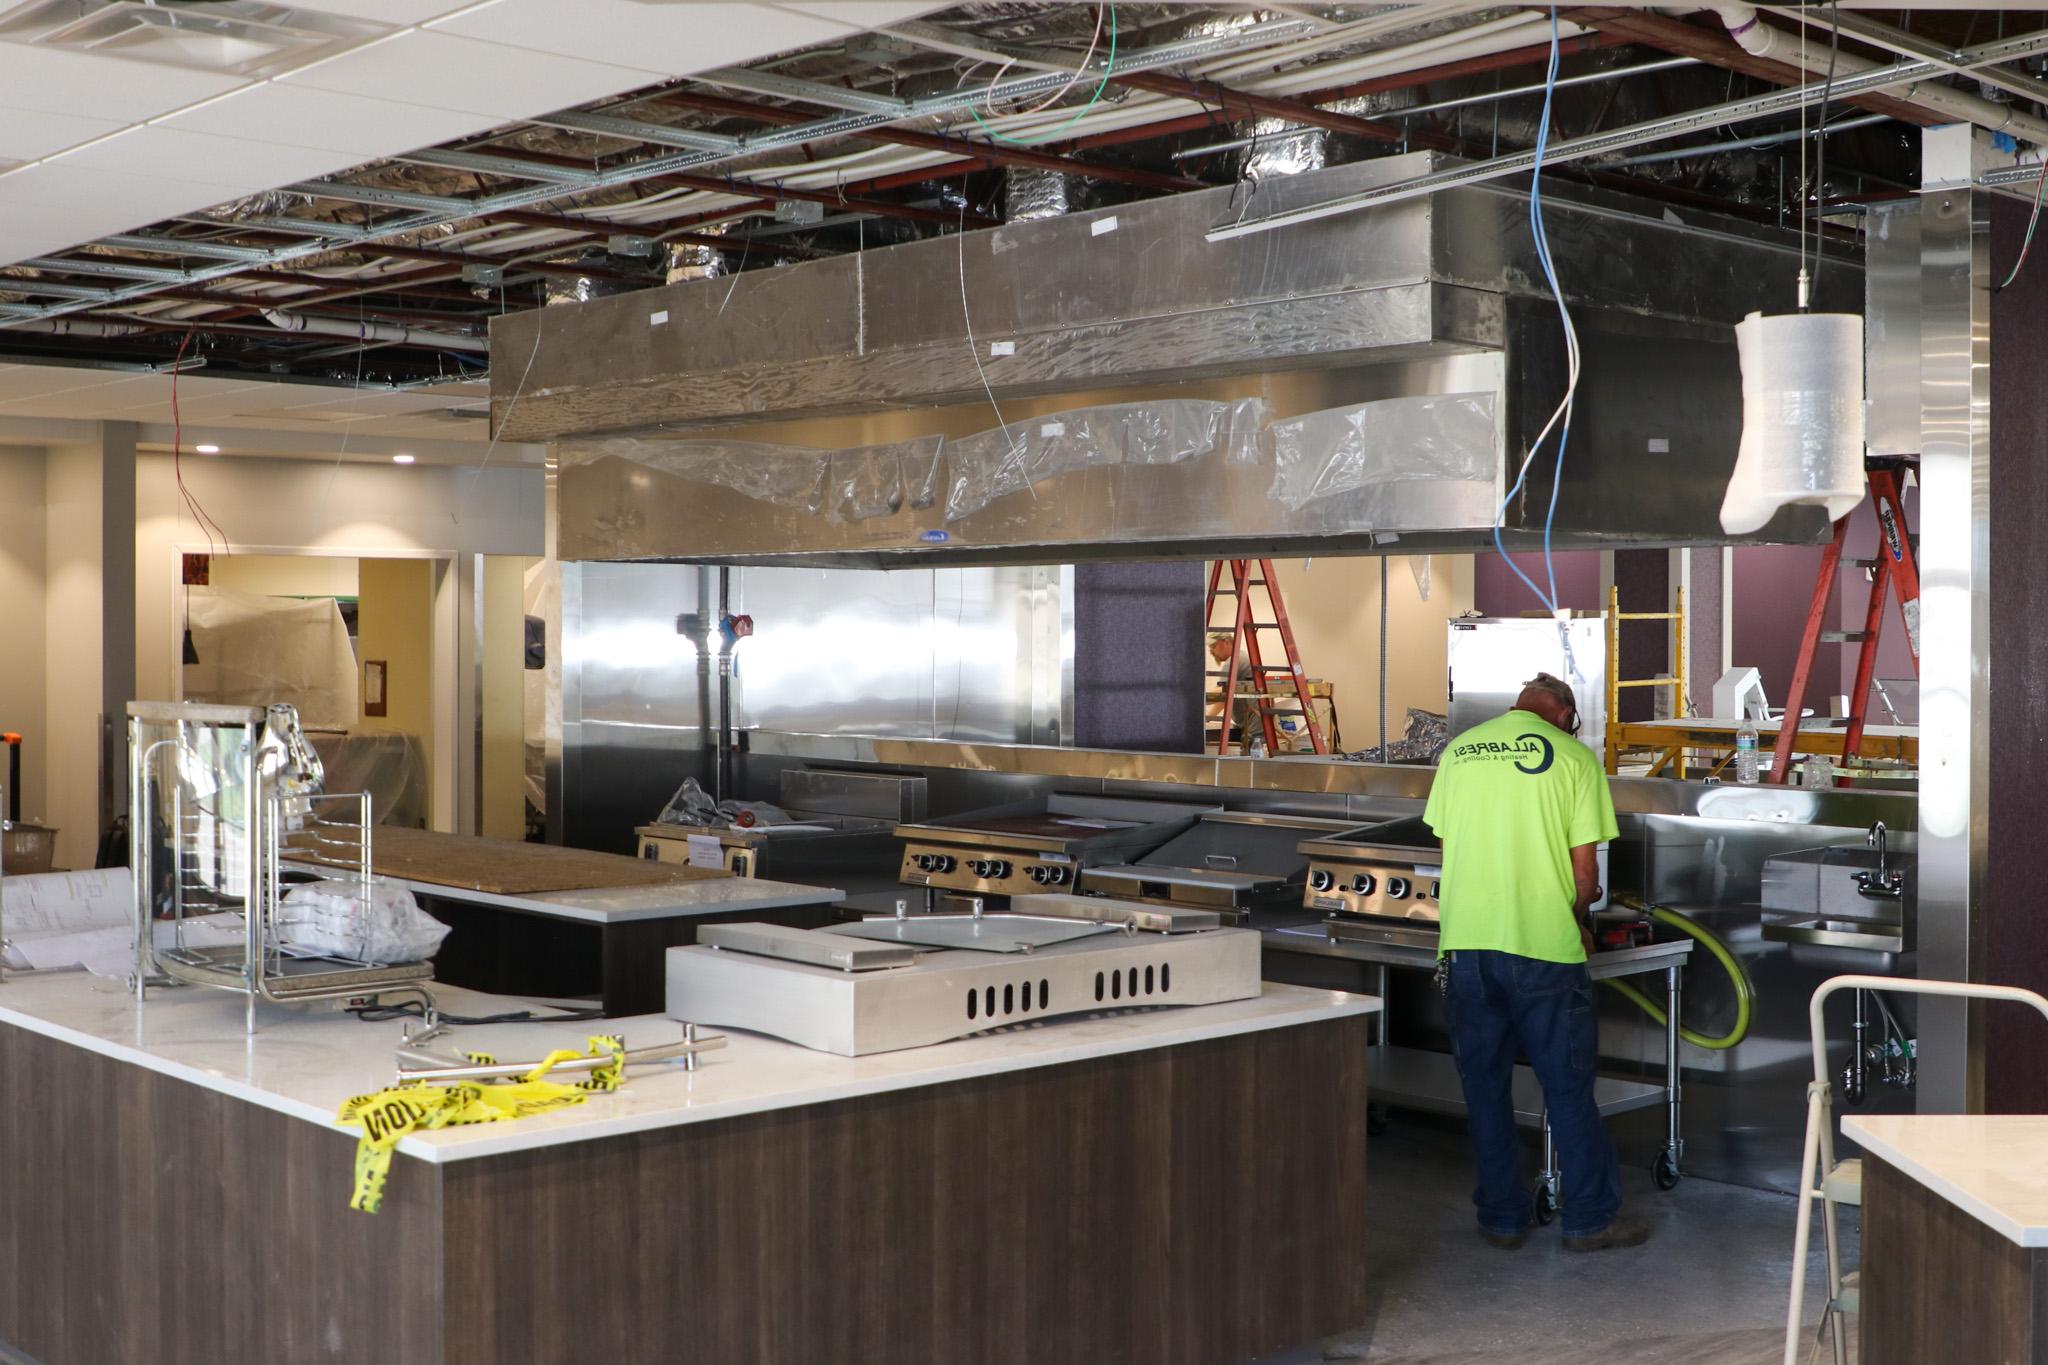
[1709,1288]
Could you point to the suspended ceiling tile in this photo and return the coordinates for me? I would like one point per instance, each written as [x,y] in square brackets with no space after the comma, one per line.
[202,158]
[863,14]
[355,127]
[463,74]
[26,134]
[674,39]
[54,80]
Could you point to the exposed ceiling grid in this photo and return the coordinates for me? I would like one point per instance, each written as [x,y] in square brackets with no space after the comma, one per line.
[395,171]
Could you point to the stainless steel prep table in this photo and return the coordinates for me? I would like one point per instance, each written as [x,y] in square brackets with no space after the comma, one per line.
[1419,1078]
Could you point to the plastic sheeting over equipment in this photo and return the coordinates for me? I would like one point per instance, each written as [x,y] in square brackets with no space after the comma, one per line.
[1802,418]
[255,650]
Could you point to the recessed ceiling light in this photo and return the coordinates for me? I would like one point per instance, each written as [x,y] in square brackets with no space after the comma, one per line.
[207,450]
[401,459]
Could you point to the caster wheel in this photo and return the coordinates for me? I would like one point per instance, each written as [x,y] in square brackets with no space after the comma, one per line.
[1377,1120]
[1546,1206]
[1664,1170]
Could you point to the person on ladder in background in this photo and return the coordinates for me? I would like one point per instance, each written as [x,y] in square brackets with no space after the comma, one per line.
[1244,717]
[1521,807]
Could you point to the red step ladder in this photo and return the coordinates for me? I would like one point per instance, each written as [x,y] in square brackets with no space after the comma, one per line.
[1246,656]
[1895,571]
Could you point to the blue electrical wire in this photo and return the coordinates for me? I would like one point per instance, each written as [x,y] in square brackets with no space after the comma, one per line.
[1536,228]
[1564,434]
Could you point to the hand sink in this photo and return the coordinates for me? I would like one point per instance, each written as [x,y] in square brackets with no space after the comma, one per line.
[1819,896]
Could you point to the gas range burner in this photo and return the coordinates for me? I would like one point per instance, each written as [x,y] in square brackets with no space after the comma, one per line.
[1036,846]
[1391,871]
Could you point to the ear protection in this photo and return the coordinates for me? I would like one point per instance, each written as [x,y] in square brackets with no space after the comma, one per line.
[1571,722]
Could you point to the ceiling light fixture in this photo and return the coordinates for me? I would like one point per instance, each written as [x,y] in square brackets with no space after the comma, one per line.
[207,450]
[401,459]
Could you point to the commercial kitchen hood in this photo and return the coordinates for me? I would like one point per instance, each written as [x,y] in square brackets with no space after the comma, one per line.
[1131,390]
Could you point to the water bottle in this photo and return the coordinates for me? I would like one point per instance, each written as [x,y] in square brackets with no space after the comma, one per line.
[1746,770]
[1819,774]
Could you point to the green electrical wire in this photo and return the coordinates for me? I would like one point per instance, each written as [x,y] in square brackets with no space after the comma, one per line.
[1745,990]
[1108,66]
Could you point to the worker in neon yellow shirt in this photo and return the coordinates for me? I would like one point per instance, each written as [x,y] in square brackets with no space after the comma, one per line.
[1521,807]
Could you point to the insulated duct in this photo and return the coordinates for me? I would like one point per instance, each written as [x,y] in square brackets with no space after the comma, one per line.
[373,332]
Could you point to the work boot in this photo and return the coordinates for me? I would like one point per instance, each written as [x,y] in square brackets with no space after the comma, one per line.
[1504,1241]
[1614,1236]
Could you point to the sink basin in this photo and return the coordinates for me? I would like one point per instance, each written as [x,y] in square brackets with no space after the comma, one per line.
[1812,896]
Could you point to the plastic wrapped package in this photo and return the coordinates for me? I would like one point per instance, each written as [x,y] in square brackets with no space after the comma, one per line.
[879,481]
[1802,418]
[1393,440]
[996,463]
[330,918]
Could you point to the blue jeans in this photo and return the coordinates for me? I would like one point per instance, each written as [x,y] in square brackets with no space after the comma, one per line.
[1496,1003]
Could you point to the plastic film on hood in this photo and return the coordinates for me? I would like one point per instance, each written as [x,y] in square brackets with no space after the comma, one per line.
[880,481]
[787,476]
[1393,440]
[997,463]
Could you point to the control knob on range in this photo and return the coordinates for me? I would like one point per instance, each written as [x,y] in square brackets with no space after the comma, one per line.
[1397,888]
[1363,884]
[941,862]
[1321,880]
[1045,874]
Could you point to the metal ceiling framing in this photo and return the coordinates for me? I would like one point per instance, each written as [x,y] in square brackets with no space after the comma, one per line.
[529,188]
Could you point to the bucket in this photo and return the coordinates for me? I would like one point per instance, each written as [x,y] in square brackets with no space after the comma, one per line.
[26,849]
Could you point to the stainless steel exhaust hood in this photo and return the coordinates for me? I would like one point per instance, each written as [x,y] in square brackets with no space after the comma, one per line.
[1410,355]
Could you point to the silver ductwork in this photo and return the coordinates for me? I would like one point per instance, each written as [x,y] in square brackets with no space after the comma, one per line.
[1405,356]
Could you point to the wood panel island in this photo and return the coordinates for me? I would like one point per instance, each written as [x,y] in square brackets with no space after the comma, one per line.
[1179,1185]
[1955,1238]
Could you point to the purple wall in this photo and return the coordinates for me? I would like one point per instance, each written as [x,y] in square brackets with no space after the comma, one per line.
[2015,948]
[1772,590]
[1497,592]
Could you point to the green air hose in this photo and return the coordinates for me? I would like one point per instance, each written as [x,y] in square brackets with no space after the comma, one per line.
[1745,992]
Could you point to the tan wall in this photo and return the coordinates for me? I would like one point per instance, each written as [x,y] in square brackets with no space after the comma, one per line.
[286,575]
[1334,607]
[395,623]
[23,589]
[502,813]
[350,511]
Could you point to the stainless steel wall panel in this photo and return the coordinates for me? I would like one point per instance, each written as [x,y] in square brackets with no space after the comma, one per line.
[1891,328]
[1955,597]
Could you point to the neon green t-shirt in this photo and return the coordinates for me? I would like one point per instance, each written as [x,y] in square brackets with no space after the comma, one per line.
[1512,798]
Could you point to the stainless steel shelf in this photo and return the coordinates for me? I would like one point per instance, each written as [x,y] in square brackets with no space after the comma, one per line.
[1412,1078]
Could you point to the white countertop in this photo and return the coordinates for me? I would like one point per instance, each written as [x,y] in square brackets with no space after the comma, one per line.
[1994,1167]
[625,904]
[305,1060]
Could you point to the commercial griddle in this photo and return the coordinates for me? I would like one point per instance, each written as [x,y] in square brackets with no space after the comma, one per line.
[1234,863]
[1038,845]
[913,980]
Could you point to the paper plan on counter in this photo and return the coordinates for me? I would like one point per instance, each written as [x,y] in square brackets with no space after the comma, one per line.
[110,950]
[706,851]
[64,902]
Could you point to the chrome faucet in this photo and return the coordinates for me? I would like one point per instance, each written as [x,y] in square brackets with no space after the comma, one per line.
[1887,882]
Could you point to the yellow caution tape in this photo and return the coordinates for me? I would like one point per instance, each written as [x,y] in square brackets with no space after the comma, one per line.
[386,1116]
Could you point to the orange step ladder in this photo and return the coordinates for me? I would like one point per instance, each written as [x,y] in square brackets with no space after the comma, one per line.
[1246,656]
[1895,572]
